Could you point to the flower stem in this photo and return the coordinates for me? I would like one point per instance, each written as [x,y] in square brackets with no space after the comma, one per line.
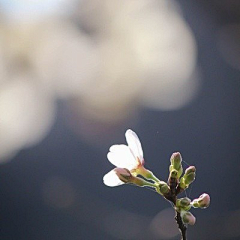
[147,174]
[172,197]
[181,226]
[142,182]
[149,184]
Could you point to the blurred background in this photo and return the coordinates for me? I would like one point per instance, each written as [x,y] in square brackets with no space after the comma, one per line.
[76,74]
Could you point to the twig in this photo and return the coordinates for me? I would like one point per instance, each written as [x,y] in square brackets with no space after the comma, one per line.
[181,226]
[172,197]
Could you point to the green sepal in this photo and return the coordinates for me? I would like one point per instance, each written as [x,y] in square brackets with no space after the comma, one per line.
[195,203]
[163,188]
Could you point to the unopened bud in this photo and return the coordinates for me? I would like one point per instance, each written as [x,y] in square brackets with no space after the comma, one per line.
[188,218]
[189,178]
[183,202]
[176,164]
[163,187]
[190,169]
[176,160]
[202,202]
[123,174]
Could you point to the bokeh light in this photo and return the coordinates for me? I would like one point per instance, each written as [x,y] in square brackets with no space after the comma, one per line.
[163,224]
[229,44]
[130,65]
[26,115]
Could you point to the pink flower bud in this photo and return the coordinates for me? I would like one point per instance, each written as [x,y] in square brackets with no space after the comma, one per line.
[123,174]
[176,159]
[190,169]
[204,200]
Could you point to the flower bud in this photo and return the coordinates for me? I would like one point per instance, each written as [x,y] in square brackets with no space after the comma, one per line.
[176,160]
[202,202]
[190,169]
[189,178]
[183,202]
[176,164]
[188,218]
[163,188]
[123,174]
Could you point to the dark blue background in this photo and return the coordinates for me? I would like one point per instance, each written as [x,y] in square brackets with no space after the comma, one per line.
[206,132]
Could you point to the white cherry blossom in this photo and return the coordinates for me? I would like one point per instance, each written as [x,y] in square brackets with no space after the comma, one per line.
[127,156]
[130,158]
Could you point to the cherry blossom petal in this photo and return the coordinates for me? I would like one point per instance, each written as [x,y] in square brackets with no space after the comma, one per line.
[134,144]
[111,179]
[121,156]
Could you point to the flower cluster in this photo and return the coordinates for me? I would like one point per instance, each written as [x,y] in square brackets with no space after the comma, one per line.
[130,169]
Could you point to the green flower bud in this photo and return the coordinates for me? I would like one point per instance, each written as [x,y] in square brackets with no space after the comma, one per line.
[163,188]
[176,160]
[176,163]
[183,203]
[189,178]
